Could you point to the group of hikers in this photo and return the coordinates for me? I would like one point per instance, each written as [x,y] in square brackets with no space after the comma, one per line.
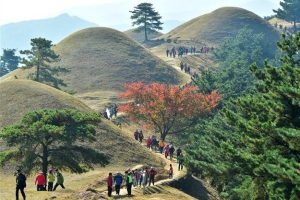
[40,181]
[164,148]
[185,50]
[131,178]
[108,113]
[180,51]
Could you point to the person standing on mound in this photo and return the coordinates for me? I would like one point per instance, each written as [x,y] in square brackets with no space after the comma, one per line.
[118,181]
[50,178]
[129,183]
[40,182]
[20,184]
[59,180]
[109,184]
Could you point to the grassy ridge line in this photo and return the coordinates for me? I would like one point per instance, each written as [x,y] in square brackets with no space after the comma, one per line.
[211,28]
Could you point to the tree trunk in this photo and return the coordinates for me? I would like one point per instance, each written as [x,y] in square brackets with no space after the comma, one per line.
[145,29]
[45,160]
[37,72]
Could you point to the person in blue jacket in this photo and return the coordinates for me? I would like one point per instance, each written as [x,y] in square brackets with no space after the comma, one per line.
[118,181]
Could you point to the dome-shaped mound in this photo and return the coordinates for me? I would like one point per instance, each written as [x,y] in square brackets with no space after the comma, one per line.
[140,37]
[19,96]
[211,28]
[104,59]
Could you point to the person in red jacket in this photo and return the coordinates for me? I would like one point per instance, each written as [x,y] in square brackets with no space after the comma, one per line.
[109,184]
[40,182]
[149,142]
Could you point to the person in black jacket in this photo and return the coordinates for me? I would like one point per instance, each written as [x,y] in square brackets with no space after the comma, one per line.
[20,184]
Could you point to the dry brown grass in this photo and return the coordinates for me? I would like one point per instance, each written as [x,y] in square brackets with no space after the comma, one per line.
[140,37]
[211,28]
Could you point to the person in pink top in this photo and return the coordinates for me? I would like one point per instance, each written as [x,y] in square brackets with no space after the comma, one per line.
[40,182]
[109,184]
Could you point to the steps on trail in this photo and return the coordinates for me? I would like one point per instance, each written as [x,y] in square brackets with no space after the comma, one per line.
[159,189]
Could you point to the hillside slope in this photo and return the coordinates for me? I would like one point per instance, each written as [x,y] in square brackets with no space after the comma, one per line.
[101,60]
[211,28]
[21,96]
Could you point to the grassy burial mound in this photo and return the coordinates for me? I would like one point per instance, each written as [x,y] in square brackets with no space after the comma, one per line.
[103,59]
[211,28]
[140,37]
[21,96]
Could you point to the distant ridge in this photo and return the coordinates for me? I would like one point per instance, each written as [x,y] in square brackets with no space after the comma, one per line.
[211,28]
[18,35]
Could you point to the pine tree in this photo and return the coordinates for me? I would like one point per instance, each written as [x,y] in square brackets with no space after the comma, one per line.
[52,137]
[146,18]
[41,56]
[8,61]
[290,12]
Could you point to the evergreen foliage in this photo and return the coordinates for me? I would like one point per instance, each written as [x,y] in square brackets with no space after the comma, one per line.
[55,138]
[40,56]
[251,150]
[290,12]
[8,61]
[146,18]
[232,78]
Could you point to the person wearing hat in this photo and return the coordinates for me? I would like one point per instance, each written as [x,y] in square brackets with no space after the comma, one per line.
[20,184]
[59,180]
[118,181]
[40,182]
[50,178]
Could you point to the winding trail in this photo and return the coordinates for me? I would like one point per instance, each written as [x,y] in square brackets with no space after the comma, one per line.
[176,175]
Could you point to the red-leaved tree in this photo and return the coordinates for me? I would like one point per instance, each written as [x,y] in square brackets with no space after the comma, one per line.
[166,108]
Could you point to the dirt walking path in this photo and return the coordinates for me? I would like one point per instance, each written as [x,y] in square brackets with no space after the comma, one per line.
[173,62]
[176,174]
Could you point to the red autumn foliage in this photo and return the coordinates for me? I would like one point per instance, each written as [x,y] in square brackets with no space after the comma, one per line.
[161,106]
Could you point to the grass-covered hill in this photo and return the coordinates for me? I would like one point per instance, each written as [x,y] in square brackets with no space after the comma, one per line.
[101,60]
[140,37]
[211,28]
[21,96]
[104,59]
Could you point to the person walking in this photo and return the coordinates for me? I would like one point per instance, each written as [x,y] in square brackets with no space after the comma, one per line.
[152,175]
[171,171]
[50,178]
[178,152]
[166,151]
[59,180]
[179,159]
[129,183]
[149,142]
[171,151]
[118,181]
[40,182]
[109,182]
[136,134]
[161,145]
[20,184]
[141,136]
